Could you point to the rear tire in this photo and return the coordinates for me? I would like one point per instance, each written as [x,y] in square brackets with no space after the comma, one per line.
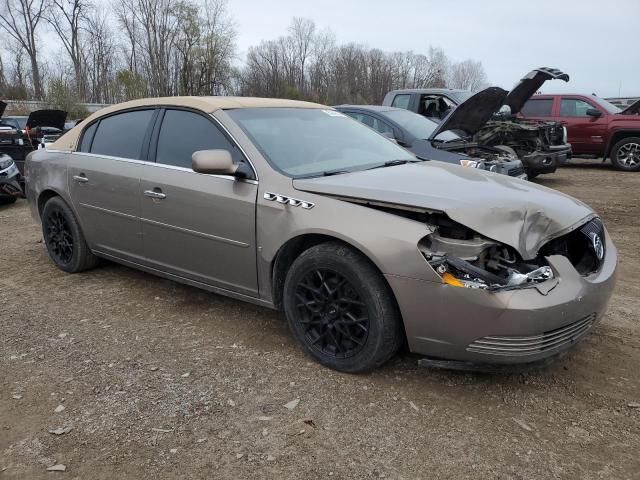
[63,238]
[341,310]
[625,154]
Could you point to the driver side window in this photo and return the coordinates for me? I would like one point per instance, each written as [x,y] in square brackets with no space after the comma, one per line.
[184,132]
[572,107]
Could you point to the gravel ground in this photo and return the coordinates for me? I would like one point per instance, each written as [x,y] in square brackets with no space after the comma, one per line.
[145,378]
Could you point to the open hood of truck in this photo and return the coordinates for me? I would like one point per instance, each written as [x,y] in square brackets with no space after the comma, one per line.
[530,84]
[47,118]
[633,109]
[471,115]
[515,212]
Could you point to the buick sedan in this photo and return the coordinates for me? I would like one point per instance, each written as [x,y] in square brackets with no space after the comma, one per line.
[295,206]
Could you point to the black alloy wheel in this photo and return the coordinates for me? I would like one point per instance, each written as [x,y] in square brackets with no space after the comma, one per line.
[58,236]
[63,238]
[340,308]
[335,319]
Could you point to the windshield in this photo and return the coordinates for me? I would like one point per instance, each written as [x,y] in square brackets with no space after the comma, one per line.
[302,142]
[20,121]
[417,125]
[609,107]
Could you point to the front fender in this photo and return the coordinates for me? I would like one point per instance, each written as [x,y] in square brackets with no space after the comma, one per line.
[388,240]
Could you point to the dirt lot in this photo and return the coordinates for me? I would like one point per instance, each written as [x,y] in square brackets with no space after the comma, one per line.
[160,380]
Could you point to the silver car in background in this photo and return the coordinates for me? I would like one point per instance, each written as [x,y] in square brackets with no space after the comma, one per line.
[295,206]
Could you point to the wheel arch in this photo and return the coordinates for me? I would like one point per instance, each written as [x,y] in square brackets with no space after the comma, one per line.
[44,197]
[294,247]
[617,136]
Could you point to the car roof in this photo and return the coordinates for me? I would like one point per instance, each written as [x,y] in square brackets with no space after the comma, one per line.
[430,90]
[205,104]
[369,108]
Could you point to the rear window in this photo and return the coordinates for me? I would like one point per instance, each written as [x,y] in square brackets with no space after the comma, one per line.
[538,107]
[122,135]
[401,101]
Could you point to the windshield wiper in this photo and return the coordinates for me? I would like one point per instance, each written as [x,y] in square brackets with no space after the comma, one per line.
[334,172]
[392,163]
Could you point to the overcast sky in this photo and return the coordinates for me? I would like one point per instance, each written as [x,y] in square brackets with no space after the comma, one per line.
[596,42]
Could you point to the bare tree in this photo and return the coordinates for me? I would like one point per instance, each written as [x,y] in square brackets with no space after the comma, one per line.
[21,20]
[469,75]
[69,18]
[302,35]
[100,58]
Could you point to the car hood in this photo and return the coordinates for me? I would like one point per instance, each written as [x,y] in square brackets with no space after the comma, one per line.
[633,109]
[473,113]
[47,118]
[530,84]
[3,107]
[515,212]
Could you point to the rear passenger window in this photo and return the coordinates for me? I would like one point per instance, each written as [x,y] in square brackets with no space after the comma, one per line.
[122,135]
[540,107]
[183,133]
[87,137]
[401,101]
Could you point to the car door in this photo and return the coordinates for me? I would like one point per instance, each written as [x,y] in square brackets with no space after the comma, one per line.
[197,226]
[585,133]
[104,182]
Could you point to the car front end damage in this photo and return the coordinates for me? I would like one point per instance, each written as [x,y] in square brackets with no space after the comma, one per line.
[504,271]
[542,146]
[11,182]
[493,306]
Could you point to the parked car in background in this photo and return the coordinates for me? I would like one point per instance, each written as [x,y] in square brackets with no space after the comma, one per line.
[37,130]
[291,205]
[420,136]
[594,126]
[541,145]
[11,184]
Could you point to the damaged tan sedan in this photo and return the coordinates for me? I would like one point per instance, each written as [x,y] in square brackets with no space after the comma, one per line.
[295,206]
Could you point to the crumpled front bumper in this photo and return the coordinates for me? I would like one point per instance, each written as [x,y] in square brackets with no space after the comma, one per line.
[547,161]
[510,326]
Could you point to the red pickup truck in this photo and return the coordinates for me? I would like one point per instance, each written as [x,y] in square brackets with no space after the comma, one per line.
[594,126]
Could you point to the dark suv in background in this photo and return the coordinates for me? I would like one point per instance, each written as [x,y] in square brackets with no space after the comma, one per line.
[594,126]
[541,145]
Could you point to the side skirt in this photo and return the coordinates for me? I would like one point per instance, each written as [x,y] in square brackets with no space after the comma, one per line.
[186,281]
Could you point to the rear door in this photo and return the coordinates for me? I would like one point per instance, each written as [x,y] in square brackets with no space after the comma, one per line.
[104,182]
[538,108]
[197,226]
[586,134]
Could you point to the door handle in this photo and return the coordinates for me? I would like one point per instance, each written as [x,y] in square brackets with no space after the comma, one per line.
[155,194]
[80,178]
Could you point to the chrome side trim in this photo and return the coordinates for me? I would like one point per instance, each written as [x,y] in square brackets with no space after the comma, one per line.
[195,233]
[170,167]
[109,212]
[294,202]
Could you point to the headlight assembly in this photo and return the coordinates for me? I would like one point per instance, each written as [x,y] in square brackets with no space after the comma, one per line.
[472,164]
[5,162]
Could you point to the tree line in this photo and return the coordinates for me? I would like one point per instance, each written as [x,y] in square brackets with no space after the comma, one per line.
[128,49]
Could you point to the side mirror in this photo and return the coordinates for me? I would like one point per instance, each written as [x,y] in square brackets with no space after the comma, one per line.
[213,162]
[594,112]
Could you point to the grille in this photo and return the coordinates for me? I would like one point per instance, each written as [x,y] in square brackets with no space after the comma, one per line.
[532,345]
[514,172]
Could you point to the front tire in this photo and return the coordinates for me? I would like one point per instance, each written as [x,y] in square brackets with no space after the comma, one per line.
[63,238]
[341,310]
[625,155]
